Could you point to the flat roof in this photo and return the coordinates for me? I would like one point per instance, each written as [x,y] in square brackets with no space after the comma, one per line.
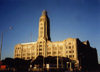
[29,43]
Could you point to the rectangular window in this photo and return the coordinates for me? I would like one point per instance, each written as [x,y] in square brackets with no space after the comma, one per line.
[28,57]
[73,56]
[69,51]
[28,53]
[40,53]
[73,51]
[23,54]
[32,57]
[33,54]
[40,45]
[69,43]
[23,58]
[69,47]
[67,56]
[59,52]
[18,54]
[40,49]
[48,52]
[70,56]
[54,52]
[41,28]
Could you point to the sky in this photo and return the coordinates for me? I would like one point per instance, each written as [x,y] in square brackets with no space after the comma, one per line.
[68,19]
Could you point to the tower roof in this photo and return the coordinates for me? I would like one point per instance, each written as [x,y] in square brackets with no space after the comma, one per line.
[44,12]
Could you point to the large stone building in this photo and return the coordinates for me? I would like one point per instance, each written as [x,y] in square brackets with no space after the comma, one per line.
[72,48]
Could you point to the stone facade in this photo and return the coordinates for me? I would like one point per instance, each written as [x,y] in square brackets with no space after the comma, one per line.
[70,47]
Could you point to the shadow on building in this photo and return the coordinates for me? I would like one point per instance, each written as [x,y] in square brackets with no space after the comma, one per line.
[87,55]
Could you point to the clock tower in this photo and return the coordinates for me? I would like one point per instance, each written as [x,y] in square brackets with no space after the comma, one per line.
[44,27]
[44,34]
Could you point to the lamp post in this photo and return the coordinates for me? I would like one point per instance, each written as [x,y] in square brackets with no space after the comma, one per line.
[2,42]
[67,65]
[57,59]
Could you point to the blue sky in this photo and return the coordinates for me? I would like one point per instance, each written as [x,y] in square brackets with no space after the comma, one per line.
[68,18]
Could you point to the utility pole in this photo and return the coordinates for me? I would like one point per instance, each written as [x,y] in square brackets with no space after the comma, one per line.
[1,44]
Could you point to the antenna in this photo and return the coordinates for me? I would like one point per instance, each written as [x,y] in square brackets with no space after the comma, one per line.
[31,36]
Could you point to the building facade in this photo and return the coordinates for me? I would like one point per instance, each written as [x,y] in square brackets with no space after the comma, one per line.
[71,48]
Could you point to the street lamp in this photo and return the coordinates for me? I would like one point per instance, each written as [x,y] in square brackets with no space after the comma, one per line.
[10,28]
[57,59]
[67,64]
[1,44]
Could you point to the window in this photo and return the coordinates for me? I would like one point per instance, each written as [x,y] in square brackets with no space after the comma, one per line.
[54,52]
[41,28]
[28,53]
[40,53]
[70,56]
[23,57]
[73,56]
[67,56]
[23,54]
[69,43]
[28,57]
[73,51]
[59,52]
[61,48]
[69,51]
[48,52]
[40,45]
[33,54]
[18,48]
[40,42]
[69,47]
[66,51]
[18,54]
[40,49]
[32,57]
